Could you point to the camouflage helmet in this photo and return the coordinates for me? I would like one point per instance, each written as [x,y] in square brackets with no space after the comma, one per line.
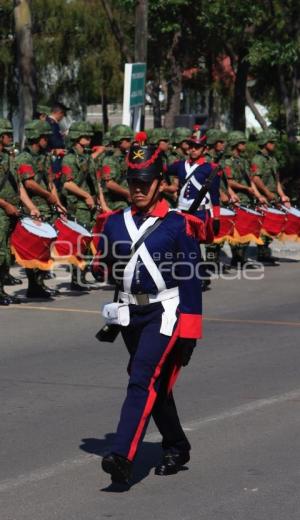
[119,132]
[213,136]
[267,136]
[236,137]
[106,139]
[159,134]
[181,133]
[79,129]
[5,127]
[36,128]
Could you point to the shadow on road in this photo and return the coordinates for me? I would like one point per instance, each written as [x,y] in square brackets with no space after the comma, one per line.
[148,457]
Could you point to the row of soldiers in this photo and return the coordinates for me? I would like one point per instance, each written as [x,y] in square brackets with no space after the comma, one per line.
[91,179]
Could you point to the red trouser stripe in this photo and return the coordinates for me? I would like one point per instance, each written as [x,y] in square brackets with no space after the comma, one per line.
[152,395]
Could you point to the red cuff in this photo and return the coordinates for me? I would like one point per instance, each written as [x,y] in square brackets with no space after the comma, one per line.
[190,326]
[68,172]
[216,211]
[26,169]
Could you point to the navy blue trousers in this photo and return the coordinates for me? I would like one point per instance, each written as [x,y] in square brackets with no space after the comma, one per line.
[153,357]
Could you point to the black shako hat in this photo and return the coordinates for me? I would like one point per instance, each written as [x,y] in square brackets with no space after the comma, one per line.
[144,163]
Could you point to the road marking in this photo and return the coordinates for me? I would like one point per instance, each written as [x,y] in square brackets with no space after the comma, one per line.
[67,465]
[206,318]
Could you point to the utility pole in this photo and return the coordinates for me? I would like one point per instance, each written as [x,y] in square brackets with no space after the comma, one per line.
[141,39]
[26,71]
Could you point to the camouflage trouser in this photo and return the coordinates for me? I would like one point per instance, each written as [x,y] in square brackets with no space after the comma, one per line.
[5,231]
[264,252]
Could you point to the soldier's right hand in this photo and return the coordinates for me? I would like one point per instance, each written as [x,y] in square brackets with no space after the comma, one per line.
[251,191]
[90,202]
[51,199]
[11,210]
[34,213]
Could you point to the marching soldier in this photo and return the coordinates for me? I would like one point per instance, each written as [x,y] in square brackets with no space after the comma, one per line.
[160,137]
[12,194]
[214,153]
[192,174]
[34,169]
[161,312]
[239,180]
[80,186]
[180,144]
[265,175]
[114,167]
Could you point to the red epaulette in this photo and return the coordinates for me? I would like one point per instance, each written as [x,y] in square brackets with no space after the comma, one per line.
[194,226]
[201,161]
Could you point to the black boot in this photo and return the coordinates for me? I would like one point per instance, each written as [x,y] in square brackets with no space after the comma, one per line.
[76,281]
[42,275]
[118,467]
[4,298]
[172,462]
[35,289]
[10,280]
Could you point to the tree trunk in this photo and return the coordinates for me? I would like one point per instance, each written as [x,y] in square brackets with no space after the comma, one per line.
[141,40]
[239,98]
[117,32]
[174,83]
[287,103]
[25,60]
[105,120]
[153,91]
[259,118]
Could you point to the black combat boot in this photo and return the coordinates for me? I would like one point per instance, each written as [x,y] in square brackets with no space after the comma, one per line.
[41,276]
[172,462]
[78,282]
[35,289]
[6,299]
[118,467]
[10,280]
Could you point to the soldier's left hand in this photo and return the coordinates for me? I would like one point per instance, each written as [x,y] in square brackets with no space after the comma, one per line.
[216,226]
[34,213]
[186,347]
[286,201]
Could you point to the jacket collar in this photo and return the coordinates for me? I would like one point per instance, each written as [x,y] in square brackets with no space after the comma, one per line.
[160,209]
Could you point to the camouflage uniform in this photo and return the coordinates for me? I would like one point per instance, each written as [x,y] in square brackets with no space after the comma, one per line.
[265,166]
[114,168]
[179,135]
[238,169]
[81,169]
[33,165]
[9,191]
[213,251]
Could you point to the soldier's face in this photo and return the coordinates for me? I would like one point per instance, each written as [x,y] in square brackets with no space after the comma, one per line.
[6,139]
[43,142]
[125,144]
[241,147]
[185,146]
[195,151]
[219,146]
[163,145]
[85,141]
[270,146]
[144,194]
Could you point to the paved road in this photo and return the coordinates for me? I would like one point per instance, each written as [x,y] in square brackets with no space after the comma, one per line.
[239,399]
